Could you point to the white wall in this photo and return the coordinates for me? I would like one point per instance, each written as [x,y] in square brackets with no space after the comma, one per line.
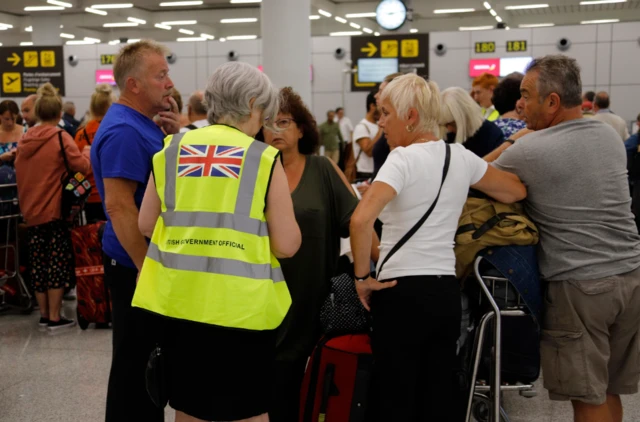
[609,56]
[197,60]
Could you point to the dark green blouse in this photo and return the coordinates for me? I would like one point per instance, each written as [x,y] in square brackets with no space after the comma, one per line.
[323,206]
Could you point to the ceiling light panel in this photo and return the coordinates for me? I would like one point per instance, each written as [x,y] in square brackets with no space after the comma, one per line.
[599,21]
[59,3]
[42,8]
[95,11]
[341,19]
[136,20]
[536,25]
[241,37]
[26,43]
[187,39]
[590,2]
[324,13]
[487,5]
[186,31]
[68,36]
[239,20]
[161,26]
[207,36]
[119,24]
[447,11]
[345,33]
[176,23]
[527,6]
[367,30]
[181,3]
[112,6]
[475,28]
[314,17]
[245,1]
[354,25]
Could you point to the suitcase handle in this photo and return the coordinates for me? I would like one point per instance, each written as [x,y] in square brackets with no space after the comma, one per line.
[327,387]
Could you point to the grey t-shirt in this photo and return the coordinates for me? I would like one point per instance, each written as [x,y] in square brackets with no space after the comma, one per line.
[578,195]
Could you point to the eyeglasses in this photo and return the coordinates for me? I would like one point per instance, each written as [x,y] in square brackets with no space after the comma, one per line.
[283,123]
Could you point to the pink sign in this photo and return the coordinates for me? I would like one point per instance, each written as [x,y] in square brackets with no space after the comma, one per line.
[105,76]
[479,66]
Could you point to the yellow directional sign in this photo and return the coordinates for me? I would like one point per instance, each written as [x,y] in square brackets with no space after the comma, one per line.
[15,59]
[30,58]
[12,82]
[389,48]
[48,58]
[410,48]
[370,49]
[359,84]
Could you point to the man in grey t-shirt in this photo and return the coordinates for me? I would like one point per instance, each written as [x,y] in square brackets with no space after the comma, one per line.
[589,249]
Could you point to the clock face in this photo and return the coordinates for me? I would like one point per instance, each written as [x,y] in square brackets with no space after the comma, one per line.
[391,14]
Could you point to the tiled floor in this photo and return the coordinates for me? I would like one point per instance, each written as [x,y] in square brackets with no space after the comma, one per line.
[63,377]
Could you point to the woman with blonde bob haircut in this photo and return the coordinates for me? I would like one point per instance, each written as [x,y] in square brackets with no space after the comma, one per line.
[465,124]
[416,303]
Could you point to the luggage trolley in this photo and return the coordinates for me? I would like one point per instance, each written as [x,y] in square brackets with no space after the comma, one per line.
[484,400]
[10,213]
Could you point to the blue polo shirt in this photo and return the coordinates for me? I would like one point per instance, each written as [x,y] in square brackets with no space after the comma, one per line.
[123,147]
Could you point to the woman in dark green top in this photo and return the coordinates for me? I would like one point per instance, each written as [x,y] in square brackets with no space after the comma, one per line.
[323,203]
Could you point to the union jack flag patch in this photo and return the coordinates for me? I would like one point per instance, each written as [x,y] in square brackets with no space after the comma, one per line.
[210,161]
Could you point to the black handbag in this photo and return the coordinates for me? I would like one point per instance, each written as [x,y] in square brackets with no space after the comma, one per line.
[342,312]
[156,378]
[75,188]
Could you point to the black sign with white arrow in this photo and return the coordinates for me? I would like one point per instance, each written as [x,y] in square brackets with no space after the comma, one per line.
[24,69]
[376,57]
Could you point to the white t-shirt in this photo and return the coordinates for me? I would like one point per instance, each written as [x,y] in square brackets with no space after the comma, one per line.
[198,124]
[364,129]
[415,173]
[346,127]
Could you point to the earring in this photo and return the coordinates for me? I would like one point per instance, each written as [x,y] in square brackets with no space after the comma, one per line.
[409,128]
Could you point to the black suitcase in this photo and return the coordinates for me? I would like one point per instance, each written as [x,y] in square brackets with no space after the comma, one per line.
[520,340]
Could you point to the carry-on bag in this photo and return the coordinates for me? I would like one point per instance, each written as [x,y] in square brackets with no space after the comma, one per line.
[337,382]
[94,304]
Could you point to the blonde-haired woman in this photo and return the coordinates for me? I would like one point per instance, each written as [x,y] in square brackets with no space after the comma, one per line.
[465,124]
[39,167]
[416,305]
[101,100]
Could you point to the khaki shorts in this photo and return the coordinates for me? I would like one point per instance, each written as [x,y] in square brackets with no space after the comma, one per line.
[590,339]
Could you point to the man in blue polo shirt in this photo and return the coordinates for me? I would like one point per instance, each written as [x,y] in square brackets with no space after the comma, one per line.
[121,157]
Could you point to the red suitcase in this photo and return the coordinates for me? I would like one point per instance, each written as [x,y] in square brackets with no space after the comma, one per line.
[337,382]
[94,304]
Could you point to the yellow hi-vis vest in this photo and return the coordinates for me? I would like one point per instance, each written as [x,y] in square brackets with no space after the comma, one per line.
[210,259]
[492,116]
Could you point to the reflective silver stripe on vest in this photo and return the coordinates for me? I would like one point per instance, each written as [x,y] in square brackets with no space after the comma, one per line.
[171,171]
[221,266]
[249,177]
[214,220]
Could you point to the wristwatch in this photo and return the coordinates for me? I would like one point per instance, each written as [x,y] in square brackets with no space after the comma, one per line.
[511,141]
[361,279]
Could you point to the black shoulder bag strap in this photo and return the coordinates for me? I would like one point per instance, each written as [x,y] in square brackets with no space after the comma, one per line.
[64,155]
[414,229]
[84,132]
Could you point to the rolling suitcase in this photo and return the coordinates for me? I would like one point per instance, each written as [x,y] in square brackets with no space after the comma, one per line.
[337,382]
[94,304]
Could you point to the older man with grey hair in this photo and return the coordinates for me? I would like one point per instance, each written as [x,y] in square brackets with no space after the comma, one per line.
[589,251]
[130,135]
[196,112]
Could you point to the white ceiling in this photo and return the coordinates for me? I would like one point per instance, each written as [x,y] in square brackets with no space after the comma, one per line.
[82,24]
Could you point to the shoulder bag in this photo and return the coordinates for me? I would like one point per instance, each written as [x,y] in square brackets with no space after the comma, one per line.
[75,188]
[342,312]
